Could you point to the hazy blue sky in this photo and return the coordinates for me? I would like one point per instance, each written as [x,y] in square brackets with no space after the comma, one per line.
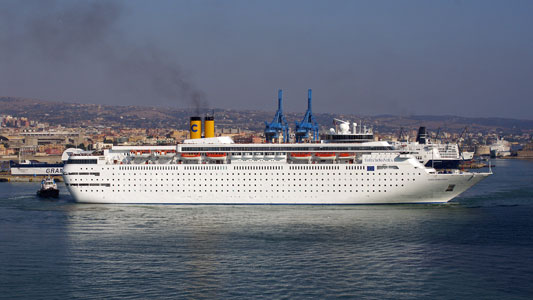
[469,58]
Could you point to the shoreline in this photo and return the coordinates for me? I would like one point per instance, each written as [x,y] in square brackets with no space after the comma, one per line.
[15,178]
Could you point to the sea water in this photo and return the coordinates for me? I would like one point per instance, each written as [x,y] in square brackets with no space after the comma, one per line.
[479,246]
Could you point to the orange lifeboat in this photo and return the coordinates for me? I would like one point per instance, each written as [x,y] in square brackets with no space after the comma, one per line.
[325,154]
[142,152]
[216,156]
[300,155]
[345,156]
[190,155]
[168,152]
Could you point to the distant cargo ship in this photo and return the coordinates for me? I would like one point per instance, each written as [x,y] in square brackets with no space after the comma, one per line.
[35,168]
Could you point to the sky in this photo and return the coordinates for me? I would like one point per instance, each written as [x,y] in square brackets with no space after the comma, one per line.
[466,58]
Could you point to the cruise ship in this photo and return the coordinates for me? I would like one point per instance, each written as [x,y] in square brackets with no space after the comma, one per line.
[215,170]
[500,148]
[434,155]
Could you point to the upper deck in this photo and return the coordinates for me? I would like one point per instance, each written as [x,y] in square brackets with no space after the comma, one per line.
[318,147]
[226,153]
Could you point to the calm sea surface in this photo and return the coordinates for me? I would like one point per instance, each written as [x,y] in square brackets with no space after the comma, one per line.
[481,246]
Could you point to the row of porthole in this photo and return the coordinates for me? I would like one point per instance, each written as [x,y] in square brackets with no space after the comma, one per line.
[299,179]
[270,185]
[278,174]
[266,174]
[244,179]
[236,191]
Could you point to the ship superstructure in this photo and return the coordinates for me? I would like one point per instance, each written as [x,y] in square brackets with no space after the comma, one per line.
[342,133]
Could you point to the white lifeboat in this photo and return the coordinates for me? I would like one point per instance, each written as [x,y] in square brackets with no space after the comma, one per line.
[281,155]
[236,155]
[270,155]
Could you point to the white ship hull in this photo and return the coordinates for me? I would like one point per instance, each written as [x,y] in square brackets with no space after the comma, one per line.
[263,184]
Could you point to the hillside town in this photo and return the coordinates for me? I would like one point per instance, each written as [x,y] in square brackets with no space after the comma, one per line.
[25,138]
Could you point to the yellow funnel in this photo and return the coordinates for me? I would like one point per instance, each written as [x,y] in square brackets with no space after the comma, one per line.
[209,127]
[196,128]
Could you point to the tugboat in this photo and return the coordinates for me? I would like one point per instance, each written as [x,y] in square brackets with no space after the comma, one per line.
[48,189]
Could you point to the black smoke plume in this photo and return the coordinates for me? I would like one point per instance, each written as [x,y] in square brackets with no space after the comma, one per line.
[65,33]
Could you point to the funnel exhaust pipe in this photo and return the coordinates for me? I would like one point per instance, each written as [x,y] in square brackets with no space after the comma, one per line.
[209,126]
[196,128]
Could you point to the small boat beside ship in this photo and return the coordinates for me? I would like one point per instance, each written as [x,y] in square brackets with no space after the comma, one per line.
[48,189]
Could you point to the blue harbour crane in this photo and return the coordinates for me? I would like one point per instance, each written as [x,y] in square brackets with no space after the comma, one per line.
[278,125]
[308,127]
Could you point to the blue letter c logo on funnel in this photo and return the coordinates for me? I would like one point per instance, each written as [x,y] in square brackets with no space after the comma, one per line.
[193,128]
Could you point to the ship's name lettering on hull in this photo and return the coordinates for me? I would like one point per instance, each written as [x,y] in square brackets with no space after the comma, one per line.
[53,171]
[378,160]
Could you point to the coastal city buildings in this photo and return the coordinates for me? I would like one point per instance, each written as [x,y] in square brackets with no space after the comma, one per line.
[24,138]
